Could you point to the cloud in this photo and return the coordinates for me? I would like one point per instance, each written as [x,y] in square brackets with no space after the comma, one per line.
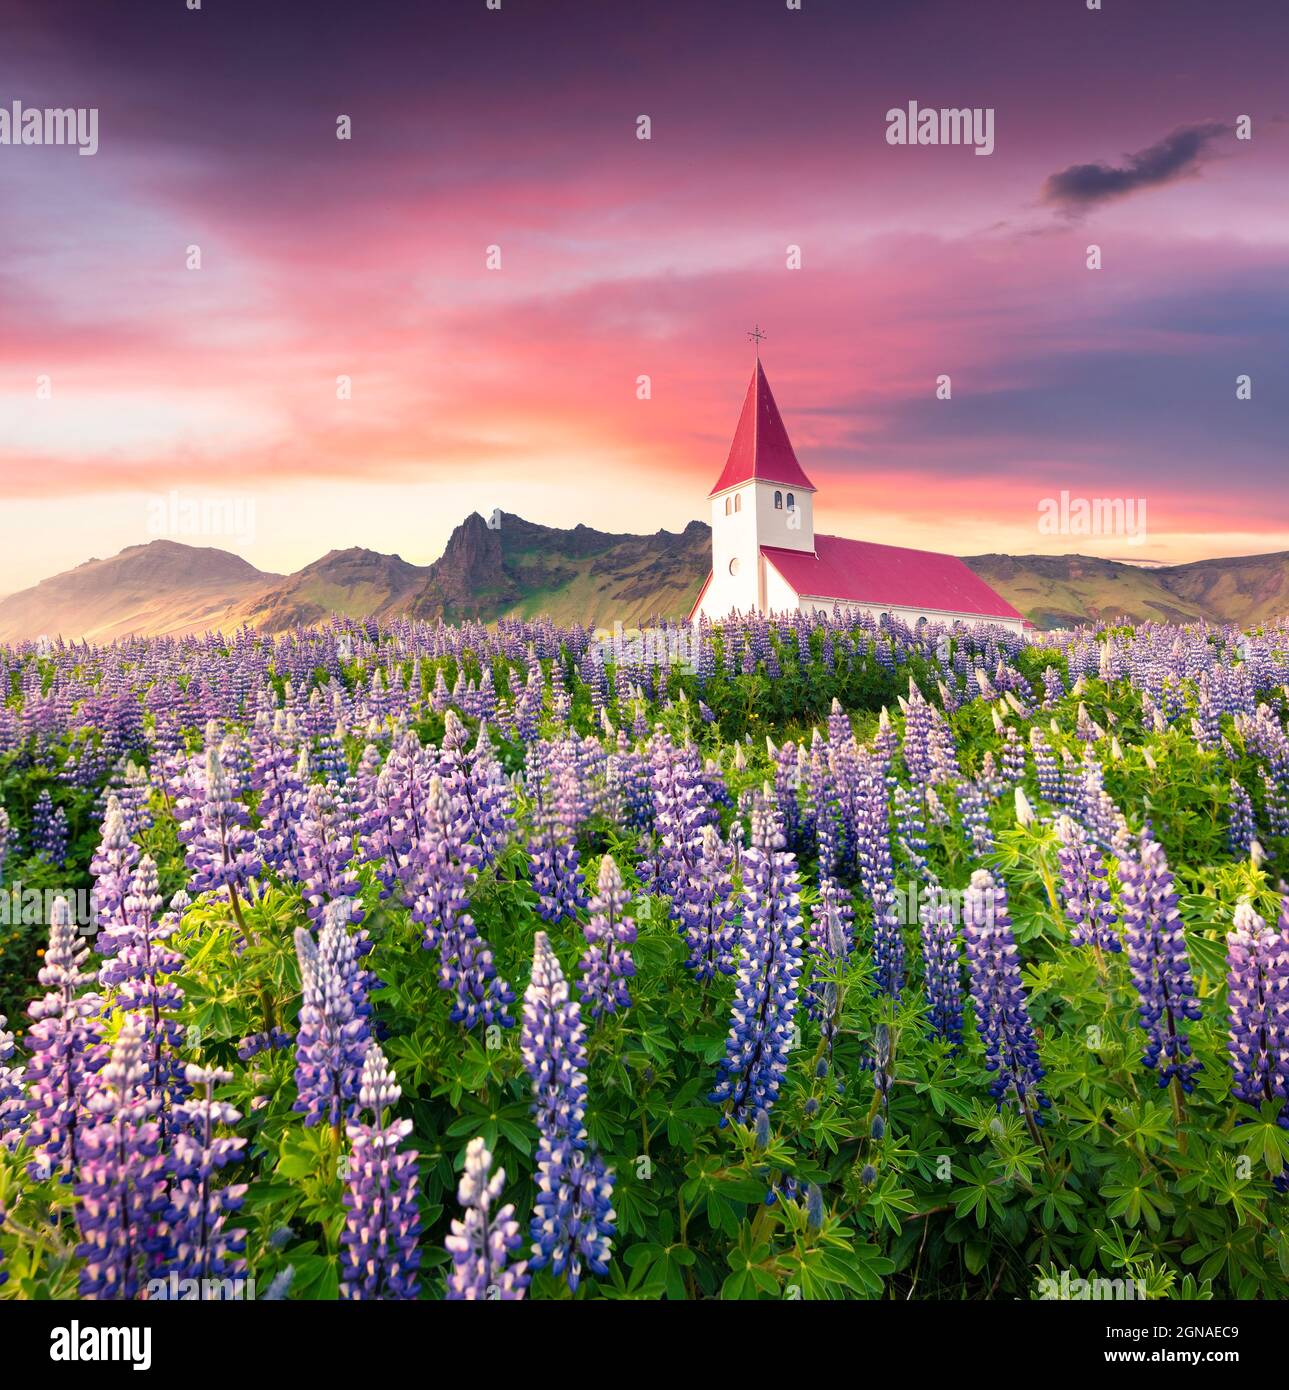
[1177,155]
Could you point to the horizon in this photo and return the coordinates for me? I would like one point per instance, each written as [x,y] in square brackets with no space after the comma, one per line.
[396,555]
[620,258]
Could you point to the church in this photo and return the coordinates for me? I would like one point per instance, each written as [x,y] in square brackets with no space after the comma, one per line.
[767,556]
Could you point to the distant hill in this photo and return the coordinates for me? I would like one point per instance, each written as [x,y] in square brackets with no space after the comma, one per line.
[518,568]
[357,583]
[163,588]
[1063,590]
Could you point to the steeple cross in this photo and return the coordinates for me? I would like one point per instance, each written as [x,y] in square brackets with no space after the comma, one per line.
[756,335]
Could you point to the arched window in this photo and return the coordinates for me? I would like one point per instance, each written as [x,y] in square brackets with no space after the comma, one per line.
[792,503]
[738,501]
[778,501]
[728,508]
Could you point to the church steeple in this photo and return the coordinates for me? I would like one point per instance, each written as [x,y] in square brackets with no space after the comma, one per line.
[761,449]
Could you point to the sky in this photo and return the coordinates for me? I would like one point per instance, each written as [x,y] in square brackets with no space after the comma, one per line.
[141,398]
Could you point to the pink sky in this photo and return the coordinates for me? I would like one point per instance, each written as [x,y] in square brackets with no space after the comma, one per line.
[516,388]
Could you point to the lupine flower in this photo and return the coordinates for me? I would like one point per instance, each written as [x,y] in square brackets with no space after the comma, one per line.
[606,965]
[134,974]
[1242,829]
[203,1247]
[1002,1014]
[941,963]
[379,1259]
[765,1003]
[221,847]
[334,1030]
[325,843]
[706,910]
[1087,891]
[64,1042]
[1161,970]
[13,1102]
[112,867]
[573,1214]
[49,831]
[1257,988]
[483,1243]
[120,1188]
[444,863]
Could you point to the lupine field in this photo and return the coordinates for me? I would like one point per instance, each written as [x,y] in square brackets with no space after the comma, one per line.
[425,962]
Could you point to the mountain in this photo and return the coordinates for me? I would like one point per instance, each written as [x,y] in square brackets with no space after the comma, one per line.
[517,568]
[514,567]
[163,588]
[357,583]
[1061,590]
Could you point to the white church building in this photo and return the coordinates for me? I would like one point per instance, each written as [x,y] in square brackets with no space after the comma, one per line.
[767,556]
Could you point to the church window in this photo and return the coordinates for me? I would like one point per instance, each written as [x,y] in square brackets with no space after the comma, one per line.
[727,506]
[734,565]
[778,501]
[792,503]
[738,501]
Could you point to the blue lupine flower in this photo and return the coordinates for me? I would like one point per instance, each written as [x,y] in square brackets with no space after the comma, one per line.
[1002,1014]
[379,1258]
[765,1002]
[331,1044]
[573,1215]
[1161,969]
[485,1240]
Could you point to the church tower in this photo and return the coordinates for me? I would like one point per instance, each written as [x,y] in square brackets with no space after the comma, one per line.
[762,498]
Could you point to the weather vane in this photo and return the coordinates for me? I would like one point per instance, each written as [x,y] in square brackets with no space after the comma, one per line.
[756,335]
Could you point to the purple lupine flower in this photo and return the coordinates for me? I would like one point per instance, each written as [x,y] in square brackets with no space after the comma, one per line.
[221,847]
[112,867]
[1242,829]
[13,1098]
[278,774]
[334,1029]
[325,838]
[573,1214]
[1161,970]
[873,843]
[998,997]
[134,975]
[606,964]
[445,865]
[941,963]
[557,876]
[64,1043]
[1257,986]
[765,1003]
[380,1259]
[830,940]
[204,1247]
[49,831]
[1087,890]
[706,908]
[120,1188]
[483,1243]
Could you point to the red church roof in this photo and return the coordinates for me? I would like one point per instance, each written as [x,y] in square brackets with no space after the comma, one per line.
[761,447]
[868,573]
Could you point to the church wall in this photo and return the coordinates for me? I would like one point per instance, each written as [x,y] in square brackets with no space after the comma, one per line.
[733,536]
[775,527]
